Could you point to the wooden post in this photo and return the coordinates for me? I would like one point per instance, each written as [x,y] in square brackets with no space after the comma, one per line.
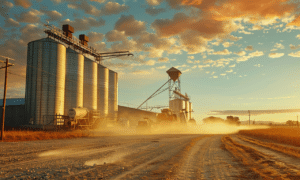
[4,101]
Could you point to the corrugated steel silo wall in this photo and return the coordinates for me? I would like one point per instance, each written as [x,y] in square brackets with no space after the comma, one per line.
[187,110]
[116,96]
[103,77]
[74,80]
[113,96]
[45,79]
[90,84]
[191,110]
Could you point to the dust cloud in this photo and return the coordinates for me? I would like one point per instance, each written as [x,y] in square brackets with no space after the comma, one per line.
[216,128]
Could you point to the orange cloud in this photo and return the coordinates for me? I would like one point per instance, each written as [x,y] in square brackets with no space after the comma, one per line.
[24,3]
[255,10]
[295,22]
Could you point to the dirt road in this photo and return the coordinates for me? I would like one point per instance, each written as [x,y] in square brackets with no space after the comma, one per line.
[135,157]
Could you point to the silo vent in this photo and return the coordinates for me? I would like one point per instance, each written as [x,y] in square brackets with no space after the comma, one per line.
[174,73]
[68,30]
[83,39]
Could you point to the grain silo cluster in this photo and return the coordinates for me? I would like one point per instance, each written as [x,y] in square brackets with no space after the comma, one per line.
[61,76]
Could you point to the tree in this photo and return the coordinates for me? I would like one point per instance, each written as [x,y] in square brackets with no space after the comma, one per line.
[233,120]
[213,119]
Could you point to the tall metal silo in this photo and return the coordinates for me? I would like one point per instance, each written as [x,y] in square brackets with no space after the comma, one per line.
[45,80]
[187,110]
[103,77]
[113,96]
[90,84]
[74,80]
[191,110]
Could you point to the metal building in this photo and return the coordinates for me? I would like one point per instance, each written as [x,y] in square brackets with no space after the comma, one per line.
[59,79]
[45,80]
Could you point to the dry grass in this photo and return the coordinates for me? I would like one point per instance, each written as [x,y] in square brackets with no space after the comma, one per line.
[285,135]
[273,146]
[260,164]
[13,136]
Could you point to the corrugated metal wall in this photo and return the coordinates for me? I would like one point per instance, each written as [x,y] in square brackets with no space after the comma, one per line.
[45,79]
[113,96]
[103,77]
[74,80]
[90,84]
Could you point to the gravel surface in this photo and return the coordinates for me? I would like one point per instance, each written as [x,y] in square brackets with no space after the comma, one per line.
[120,157]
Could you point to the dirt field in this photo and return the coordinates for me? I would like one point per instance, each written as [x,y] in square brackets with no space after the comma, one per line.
[147,157]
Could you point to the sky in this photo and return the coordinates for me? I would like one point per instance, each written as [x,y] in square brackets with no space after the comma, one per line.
[233,54]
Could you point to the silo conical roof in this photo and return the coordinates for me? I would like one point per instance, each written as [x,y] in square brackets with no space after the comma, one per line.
[174,73]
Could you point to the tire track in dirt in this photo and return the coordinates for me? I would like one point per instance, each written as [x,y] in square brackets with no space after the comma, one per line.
[139,163]
[207,160]
[263,166]
[287,159]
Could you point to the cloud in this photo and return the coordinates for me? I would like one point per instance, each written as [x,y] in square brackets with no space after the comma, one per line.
[232,65]
[2,32]
[86,7]
[52,15]
[227,44]
[115,35]
[113,8]
[249,48]
[243,58]
[29,16]
[5,8]
[99,1]
[276,55]
[84,24]
[223,52]
[296,54]
[150,62]
[260,12]
[163,59]
[279,46]
[154,2]
[9,22]
[206,27]
[24,3]
[298,36]
[191,57]
[154,11]
[208,61]
[256,27]
[130,25]
[293,47]
[233,38]
[244,32]
[256,54]
[258,65]
[295,22]
[215,77]
[215,43]
[273,49]
[229,71]
[223,74]
[161,67]
[95,37]
[240,53]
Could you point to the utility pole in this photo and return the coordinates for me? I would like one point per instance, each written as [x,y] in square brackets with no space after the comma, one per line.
[4,97]
[249,116]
